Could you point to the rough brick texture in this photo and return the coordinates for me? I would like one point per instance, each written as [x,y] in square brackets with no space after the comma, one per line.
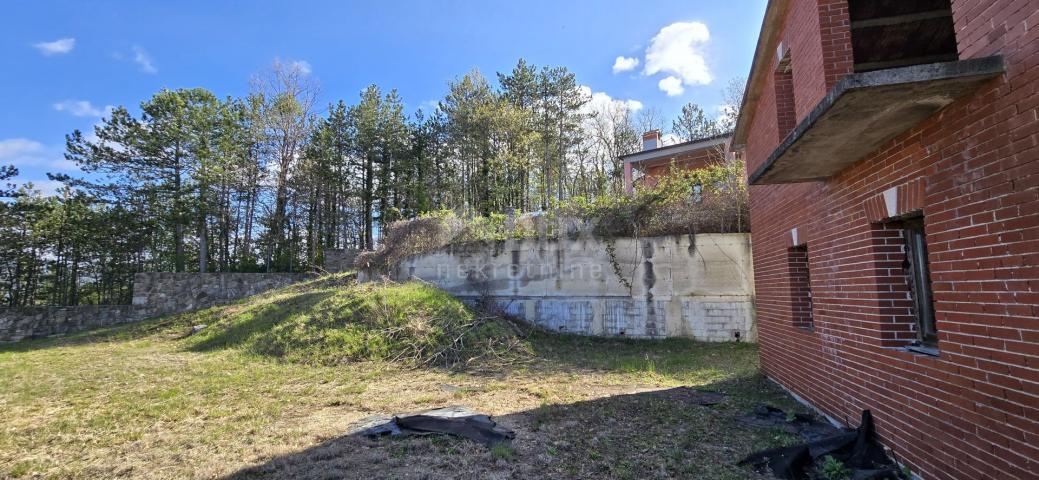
[973,171]
[800,288]
[786,118]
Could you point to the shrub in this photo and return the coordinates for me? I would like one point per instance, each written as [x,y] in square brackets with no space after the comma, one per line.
[708,200]
[437,229]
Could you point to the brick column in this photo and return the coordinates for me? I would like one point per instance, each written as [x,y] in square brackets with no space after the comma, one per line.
[628,187]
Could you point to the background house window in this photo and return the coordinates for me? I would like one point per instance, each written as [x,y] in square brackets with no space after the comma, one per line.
[800,288]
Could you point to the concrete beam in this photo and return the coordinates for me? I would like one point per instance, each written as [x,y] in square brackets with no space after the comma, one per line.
[864,111]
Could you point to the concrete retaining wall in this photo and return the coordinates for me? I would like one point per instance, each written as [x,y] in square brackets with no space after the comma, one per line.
[155,294]
[677,286]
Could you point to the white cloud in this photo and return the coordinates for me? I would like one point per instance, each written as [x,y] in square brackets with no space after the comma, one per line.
[624,64]
[429,106]
[671,85]
[14,147]
[599,101]
[302,66]
[82,108]
[670,139]
[46,187]
[677,50]
[57,47]
[24,153]
[144,61]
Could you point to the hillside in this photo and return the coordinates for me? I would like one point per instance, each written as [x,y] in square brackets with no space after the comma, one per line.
[333,320]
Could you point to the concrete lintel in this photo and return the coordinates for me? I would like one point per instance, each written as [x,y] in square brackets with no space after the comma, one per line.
[864,111]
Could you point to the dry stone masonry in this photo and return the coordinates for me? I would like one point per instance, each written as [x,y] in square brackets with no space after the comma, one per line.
[339,259]
[162,292]
[155,294]
[697,287]
[17,323]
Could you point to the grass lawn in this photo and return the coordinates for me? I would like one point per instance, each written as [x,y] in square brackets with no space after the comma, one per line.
[271,387]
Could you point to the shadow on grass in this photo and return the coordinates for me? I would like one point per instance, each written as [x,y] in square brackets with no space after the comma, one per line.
[176,324]
[686,359]
[653,434]
[125,331]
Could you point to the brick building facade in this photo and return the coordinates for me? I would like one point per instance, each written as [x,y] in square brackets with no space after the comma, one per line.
[647,167]
[893,155]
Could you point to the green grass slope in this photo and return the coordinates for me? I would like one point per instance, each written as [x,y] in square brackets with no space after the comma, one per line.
[332,320]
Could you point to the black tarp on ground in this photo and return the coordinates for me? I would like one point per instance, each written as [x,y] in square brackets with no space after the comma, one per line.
[857,449]
[453,420]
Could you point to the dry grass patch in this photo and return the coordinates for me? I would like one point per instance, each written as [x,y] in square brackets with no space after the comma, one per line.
[146,402]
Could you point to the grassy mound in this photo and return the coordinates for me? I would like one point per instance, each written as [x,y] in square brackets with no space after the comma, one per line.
[332,320]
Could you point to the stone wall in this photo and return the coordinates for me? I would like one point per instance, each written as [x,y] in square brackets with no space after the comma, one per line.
[163,292]
[17,323]
[339,260]
[155,294]
[676,286]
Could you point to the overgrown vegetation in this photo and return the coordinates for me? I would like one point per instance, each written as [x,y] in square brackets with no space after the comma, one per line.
[708,200]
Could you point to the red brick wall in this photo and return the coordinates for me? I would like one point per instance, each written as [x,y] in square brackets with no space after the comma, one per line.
[696,159]
[800,289]
[786,118]
[973,170]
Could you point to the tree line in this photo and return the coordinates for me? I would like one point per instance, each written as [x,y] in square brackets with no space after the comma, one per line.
[272,180]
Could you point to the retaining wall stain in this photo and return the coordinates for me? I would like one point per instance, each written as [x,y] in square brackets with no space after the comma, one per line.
[515,272]
[559,267]
[673,295]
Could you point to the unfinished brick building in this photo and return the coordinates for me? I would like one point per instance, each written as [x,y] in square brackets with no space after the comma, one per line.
[647,167]
[892,154]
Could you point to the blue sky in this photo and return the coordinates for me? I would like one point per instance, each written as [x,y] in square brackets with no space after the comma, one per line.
[64,62]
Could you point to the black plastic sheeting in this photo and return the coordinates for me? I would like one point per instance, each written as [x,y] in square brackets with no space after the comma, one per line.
[455,420]
[800,424]
[857,449]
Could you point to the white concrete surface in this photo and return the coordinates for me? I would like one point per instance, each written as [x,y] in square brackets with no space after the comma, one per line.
[680,286]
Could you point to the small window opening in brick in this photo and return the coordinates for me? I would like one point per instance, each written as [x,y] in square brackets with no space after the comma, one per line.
[917,271]
[904,281]
[786,114]
[800,288]
[900,33]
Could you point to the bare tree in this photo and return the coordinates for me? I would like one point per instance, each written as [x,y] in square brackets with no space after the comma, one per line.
[732,99]
[609,132]
[286,96]
[649,119]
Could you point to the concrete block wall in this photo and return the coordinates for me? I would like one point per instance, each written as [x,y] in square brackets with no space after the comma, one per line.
[697,287]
